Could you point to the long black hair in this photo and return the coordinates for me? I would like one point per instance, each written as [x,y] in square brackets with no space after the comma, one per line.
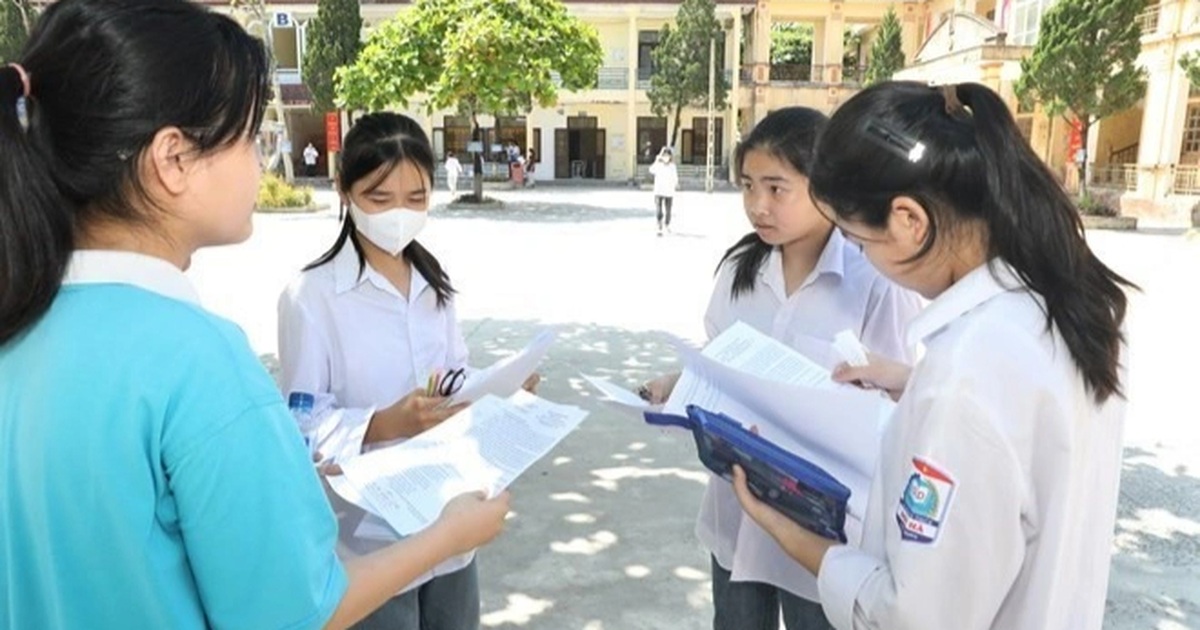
[789,134]
[957,151]
[385,140]
[104,77]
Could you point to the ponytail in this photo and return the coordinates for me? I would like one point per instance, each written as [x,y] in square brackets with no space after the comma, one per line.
[958,151]
[1035,228]
[36,234]
[748,256]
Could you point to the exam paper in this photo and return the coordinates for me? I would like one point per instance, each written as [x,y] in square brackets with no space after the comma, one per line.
[506,375]
[616,393]
[484,447]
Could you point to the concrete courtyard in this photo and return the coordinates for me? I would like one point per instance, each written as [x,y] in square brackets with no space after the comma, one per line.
[601,535]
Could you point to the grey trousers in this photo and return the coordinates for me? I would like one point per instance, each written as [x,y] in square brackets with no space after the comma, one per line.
[756,606]
[447,602]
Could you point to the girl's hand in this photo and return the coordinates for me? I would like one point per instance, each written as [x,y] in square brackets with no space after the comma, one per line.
[802,545]
[531,384]
[472,520]
[880,373]
[410,416]
[657,391]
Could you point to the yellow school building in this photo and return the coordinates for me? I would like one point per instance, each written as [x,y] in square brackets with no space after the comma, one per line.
[1150,153]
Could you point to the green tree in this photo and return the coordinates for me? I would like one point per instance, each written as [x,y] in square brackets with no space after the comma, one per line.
[1084,65]
[333,42]
[1190,63]
[498,57]
[791,43]
[887,54]
[680,75]
[16,20]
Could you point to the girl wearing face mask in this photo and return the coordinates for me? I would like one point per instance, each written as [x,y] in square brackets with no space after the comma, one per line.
[360,332]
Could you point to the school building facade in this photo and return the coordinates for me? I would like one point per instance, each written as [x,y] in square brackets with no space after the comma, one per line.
[1151,153]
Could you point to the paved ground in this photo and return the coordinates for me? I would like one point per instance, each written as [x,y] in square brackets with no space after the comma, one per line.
[601,537]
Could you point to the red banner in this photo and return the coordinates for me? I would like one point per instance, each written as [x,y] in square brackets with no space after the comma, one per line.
[1075,143]
[333,132]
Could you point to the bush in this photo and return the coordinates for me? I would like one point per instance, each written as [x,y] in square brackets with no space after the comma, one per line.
[274,193]
[1099,205]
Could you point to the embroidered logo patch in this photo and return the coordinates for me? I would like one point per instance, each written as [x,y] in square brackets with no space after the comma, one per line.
[925,502]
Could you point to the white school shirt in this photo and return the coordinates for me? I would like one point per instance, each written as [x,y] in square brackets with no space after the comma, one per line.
[666,178]
[453,167]
[362,343]
[842,292]
[995,498]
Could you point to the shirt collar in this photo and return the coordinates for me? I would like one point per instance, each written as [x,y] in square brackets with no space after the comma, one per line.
[93,266]
[832,261]
[980,285]
[346,276]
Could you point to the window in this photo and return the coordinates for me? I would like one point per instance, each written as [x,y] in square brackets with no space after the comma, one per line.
[651,137]
[457,134]
[647,42]
[1191,130]
[700,140]
[511,130]
[1026,19]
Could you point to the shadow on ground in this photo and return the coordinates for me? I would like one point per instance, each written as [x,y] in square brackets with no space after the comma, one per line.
[524,211]
[1158,543]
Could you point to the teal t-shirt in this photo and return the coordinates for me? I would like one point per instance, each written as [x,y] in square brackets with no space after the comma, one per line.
[153,477]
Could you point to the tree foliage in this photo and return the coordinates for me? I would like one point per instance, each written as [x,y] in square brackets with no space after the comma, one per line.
[1084,65]
[681,63]
[334,39]
[498,57]
[16,20]
[887,53]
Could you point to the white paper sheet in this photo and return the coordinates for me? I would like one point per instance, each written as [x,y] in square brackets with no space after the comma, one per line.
[484,447]
[507,375]
[617,394]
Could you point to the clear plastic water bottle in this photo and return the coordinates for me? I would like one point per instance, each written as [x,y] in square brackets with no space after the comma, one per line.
[301,405]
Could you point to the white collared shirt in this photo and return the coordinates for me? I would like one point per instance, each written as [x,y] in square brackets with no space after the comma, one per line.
[95,266]
[842,292]
[361,344]
[994,502]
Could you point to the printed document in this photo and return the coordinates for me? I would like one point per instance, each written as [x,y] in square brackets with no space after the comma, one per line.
[506,375]
[484,447]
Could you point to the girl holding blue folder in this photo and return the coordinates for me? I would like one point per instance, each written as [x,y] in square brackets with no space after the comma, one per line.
[994,500]
[798,280]
[153,477]
[370,329]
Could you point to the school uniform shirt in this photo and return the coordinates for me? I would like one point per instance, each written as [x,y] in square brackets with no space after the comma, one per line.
[995,497]
[842,292]
[358,345]
[153,477]
[666,178]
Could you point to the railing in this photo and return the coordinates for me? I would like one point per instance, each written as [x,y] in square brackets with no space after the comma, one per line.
[1126,155]
[1148,20]
[612,79]
[1123,176]
[791,72]
[1186,179]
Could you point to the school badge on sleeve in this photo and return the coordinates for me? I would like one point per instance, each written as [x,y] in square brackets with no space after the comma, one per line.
[925,502]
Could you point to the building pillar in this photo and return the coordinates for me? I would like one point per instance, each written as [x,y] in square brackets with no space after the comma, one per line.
[631,58]
[1159,145]
[732,130]
[833,46]
[910,35]
[760,59]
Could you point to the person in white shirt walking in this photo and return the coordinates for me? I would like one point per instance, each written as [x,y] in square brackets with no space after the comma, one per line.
[995,495]
[453,170]
[362,330]
[310,160]
[796,279]
[666,180]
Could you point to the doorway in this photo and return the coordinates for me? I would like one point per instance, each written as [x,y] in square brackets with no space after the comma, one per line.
[579,149]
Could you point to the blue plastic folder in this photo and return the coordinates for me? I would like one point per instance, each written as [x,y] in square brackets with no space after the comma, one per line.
[797,488]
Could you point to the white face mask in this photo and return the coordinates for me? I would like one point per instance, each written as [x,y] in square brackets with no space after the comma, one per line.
[392,230]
